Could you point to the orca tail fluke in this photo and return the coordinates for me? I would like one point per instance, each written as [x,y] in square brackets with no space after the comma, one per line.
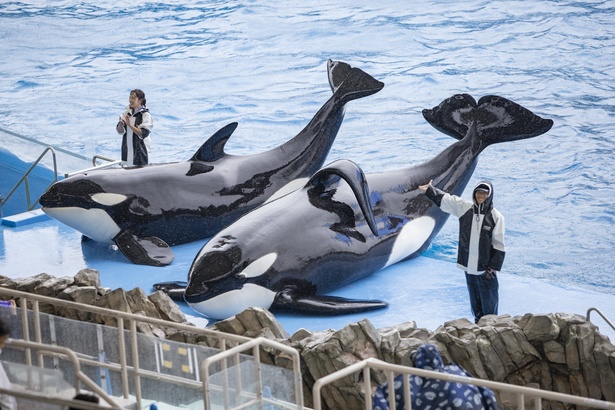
[356,84]
[493,119]
[453,116]
[337,72]
[500,120]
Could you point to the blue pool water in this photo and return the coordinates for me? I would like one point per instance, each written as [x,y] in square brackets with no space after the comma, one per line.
[66,68]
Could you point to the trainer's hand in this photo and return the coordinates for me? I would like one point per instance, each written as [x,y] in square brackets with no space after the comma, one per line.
[426,186]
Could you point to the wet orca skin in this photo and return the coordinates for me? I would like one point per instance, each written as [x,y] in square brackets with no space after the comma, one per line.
[342,225]
[145,209]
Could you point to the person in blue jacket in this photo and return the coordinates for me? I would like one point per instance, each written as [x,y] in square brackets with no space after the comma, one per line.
[135,125]
[481,248]
[434,394]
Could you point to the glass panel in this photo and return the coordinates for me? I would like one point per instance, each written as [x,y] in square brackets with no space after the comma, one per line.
[238,386]
[40,380]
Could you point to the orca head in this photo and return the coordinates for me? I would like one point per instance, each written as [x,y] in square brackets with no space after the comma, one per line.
[222,282]
[82,204]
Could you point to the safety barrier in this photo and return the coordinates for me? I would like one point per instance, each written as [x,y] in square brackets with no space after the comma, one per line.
[139,366]
[589,311]
[260,394]
[109,162]
[24,179]
[517,391]
[34,380]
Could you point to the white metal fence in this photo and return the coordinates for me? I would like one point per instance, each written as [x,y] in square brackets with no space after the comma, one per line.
[518,392]
[129,364]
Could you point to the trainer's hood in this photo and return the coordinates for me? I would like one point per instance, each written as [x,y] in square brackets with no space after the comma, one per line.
[487,186]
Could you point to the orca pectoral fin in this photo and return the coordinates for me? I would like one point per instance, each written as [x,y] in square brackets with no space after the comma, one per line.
[323,304]
[144,250]
[174,289]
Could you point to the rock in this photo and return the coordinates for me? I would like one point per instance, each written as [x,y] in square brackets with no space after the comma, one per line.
[29,284]
[138,303]
[115,300]
[300,334]
[82,295]
[167,308]
[540,328]
[555,352]
[87,277]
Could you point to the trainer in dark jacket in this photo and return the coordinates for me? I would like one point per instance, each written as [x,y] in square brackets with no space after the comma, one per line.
[481,243]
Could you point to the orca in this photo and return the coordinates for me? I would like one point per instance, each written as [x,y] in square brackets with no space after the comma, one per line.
[144,209]
[344,225]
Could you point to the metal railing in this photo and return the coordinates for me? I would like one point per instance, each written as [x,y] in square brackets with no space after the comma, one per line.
[601,314]
[110,163]
[79,376]
[25,178]
[225,341]
[520,392]
[256,399]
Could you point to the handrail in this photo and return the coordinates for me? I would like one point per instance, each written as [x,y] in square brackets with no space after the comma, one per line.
[26,299]
[521,391]
[96,167]
[601,315]
[27,173]
[74,360]
[98,156]
[255,345]
[111,162]
[44,398]
[8,292]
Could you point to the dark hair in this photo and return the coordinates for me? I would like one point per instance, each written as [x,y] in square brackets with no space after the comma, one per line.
[4,328]
[140,95]
[85,397]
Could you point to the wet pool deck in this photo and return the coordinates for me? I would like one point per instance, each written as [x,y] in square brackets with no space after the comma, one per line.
[425,290]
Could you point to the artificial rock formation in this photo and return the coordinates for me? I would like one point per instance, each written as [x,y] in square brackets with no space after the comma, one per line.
[85,288]
[556,352]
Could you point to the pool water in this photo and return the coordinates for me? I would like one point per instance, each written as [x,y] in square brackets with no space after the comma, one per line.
[205,64]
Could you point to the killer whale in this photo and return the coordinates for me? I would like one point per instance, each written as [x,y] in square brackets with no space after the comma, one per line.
[343,225]
[144,209]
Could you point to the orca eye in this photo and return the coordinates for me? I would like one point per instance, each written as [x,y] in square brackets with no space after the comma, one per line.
[259,266]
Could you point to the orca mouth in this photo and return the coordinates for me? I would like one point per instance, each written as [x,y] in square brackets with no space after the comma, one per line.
[196,293]
[233,302]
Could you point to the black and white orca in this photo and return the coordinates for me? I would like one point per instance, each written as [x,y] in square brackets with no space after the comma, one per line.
[145,209]
[342,225]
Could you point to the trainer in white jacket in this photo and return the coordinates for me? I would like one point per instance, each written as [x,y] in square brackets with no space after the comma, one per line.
[481,247]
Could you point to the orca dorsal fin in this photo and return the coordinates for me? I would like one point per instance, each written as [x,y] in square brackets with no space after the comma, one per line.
[354,176]
[213,148]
